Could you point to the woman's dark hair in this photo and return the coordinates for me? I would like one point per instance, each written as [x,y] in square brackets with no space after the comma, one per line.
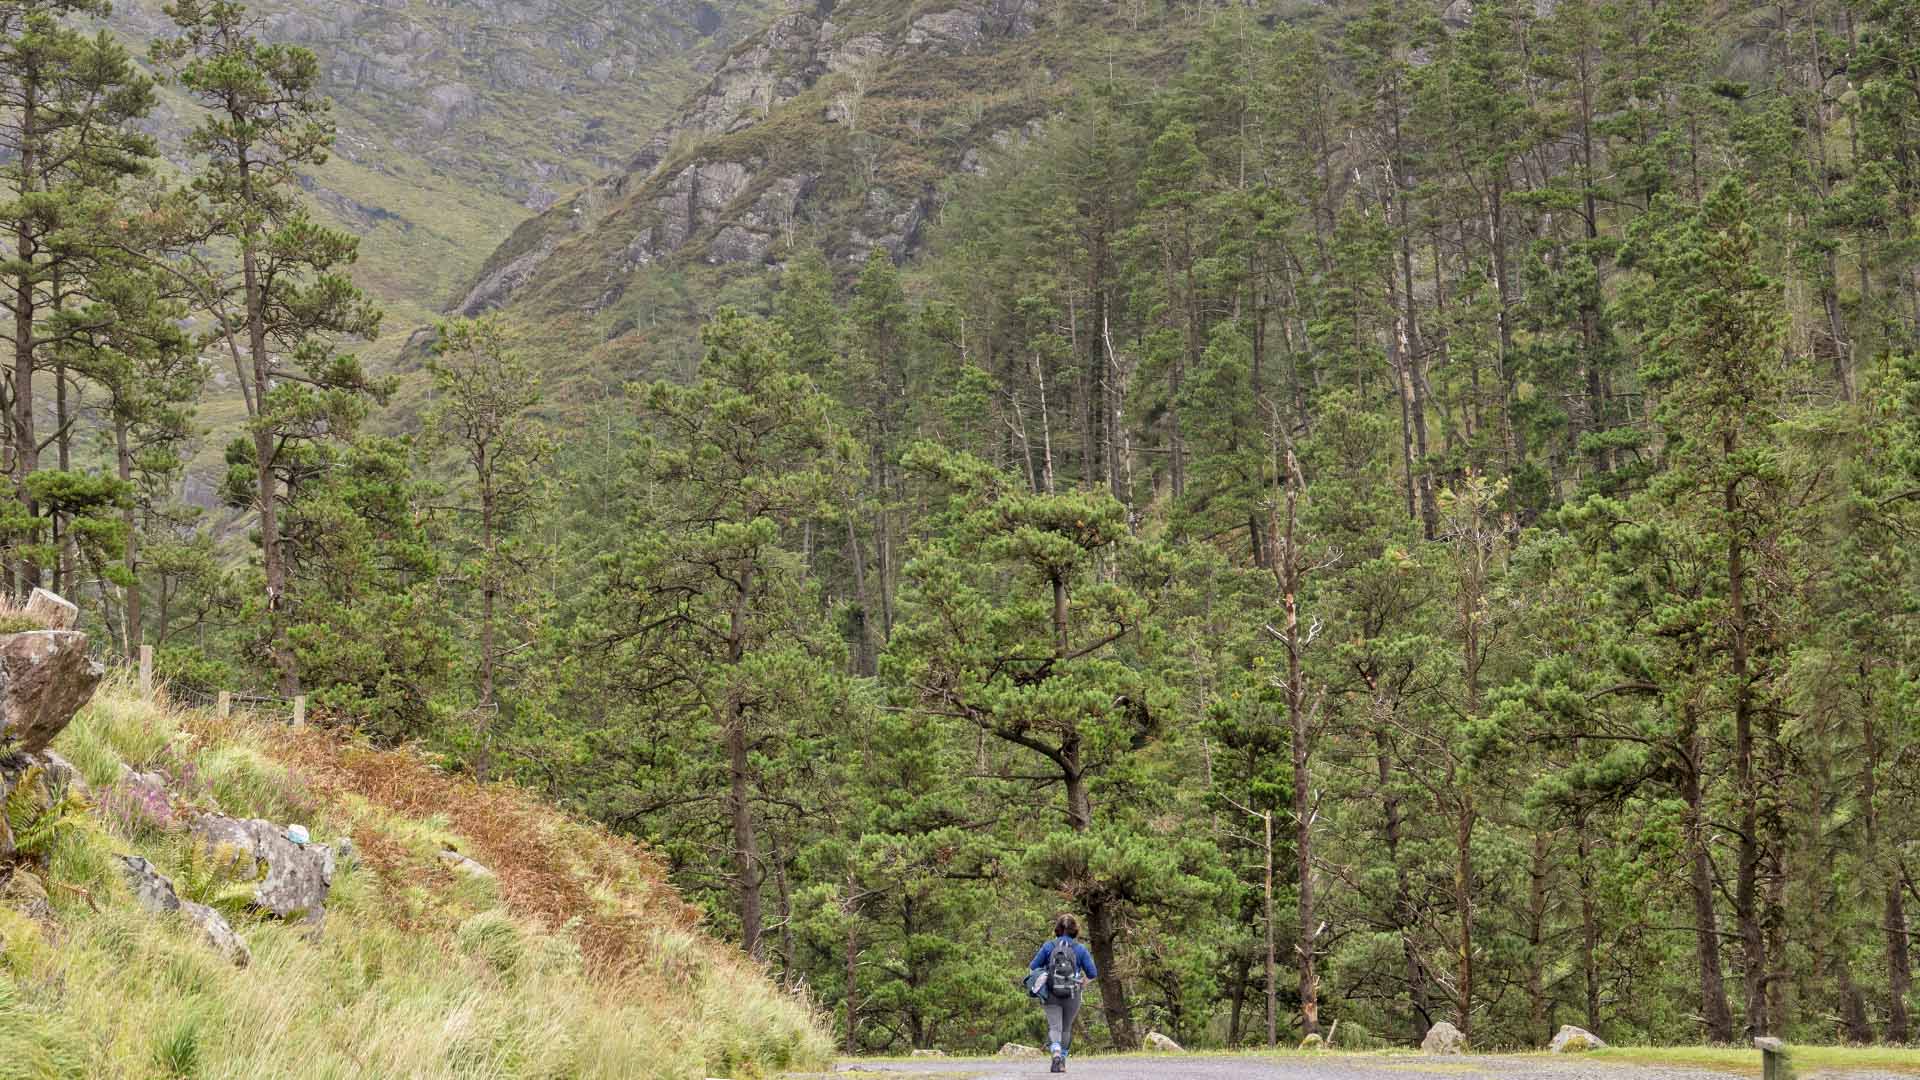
[1066,926]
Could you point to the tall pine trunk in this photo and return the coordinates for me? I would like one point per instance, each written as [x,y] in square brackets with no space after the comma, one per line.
[286,676]
[1753,945]
[131,635]
[1899,945]
[746,853]
[1287,567]
[1103,929]
[26,447]
[1714,1010]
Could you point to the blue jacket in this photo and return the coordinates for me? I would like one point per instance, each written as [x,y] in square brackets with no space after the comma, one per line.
[1079,951]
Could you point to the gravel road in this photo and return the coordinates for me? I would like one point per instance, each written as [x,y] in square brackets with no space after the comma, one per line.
[1341,1067]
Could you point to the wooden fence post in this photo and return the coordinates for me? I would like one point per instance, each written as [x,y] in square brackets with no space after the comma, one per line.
[1773,1059]
[300,710]
[224,708]
[146,671]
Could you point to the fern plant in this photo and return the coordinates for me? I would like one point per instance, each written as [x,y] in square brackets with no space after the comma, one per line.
[40,812]
[212,875]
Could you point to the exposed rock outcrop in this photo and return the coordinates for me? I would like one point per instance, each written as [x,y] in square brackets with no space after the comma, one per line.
[1161,1044]
[155,893]
[45,677]
[1018,1051]
[61,771]
[52,611]
[736,171]
[298,876]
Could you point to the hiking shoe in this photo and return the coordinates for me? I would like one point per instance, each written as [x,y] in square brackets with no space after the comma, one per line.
[1059,1063]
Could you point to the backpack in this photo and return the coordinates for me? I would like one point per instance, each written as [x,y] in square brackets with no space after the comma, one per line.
[1063,970]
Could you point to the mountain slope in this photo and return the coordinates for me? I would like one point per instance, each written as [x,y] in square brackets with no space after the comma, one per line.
[841,125]
[571,957]
[458,118]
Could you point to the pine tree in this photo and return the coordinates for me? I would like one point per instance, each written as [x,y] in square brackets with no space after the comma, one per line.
[702,616]
[1018,622]
[280,310]
[1714,337]
[128,342]
[70,101]
[485,395]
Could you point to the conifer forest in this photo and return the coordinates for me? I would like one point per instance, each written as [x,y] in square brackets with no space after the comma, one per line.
[1390,511]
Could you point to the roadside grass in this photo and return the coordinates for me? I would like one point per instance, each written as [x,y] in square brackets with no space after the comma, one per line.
[576,958]
[1808,1062]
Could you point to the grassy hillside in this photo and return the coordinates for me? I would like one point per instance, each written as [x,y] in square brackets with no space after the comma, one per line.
[574,959]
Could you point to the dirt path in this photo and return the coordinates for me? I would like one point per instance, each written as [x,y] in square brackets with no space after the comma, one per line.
[1334,1067]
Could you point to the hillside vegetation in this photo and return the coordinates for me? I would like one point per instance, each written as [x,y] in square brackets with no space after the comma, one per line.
[1392,514]
[457,120]
[575,959]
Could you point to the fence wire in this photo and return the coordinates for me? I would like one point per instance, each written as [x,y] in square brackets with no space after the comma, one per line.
[259,703]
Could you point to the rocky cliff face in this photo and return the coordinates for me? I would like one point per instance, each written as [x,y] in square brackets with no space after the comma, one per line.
[838,123]
[457,117]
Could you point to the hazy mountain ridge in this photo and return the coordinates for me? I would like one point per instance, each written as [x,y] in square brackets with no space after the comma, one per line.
[842,124]
[456,119]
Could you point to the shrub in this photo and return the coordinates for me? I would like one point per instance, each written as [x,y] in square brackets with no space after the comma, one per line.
[494,939]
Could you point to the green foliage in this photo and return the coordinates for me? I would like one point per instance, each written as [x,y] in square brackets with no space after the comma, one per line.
[1433,491]
[146,996]
[38,1045]
[41,814]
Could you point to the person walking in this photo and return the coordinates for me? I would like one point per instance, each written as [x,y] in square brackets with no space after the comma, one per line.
[1068,968]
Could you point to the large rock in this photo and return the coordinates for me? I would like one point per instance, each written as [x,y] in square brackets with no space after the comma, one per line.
[45,676]
[53,611]
[1016,1050]
[155,893]
[1573,1040]
[1444,1038]
[298,876]
[1161,1044]
[61,771]
[47,777]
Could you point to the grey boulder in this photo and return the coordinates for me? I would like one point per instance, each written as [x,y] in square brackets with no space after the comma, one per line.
[45,677]
[1572,1040]
[461,864]
[156,894]
[61,771]
[1161,1043]
[52,610]
[298,876]
[1444,1038]
[1016,1050]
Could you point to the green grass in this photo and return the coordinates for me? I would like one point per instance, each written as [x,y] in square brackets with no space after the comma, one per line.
[1807,1060]
[419,972]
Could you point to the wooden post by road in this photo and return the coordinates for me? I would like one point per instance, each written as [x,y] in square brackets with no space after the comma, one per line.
[1773,1059]
[224,707]
[300,710]
[146,671]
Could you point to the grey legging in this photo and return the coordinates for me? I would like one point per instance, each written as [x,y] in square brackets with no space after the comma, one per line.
[1060,1016]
